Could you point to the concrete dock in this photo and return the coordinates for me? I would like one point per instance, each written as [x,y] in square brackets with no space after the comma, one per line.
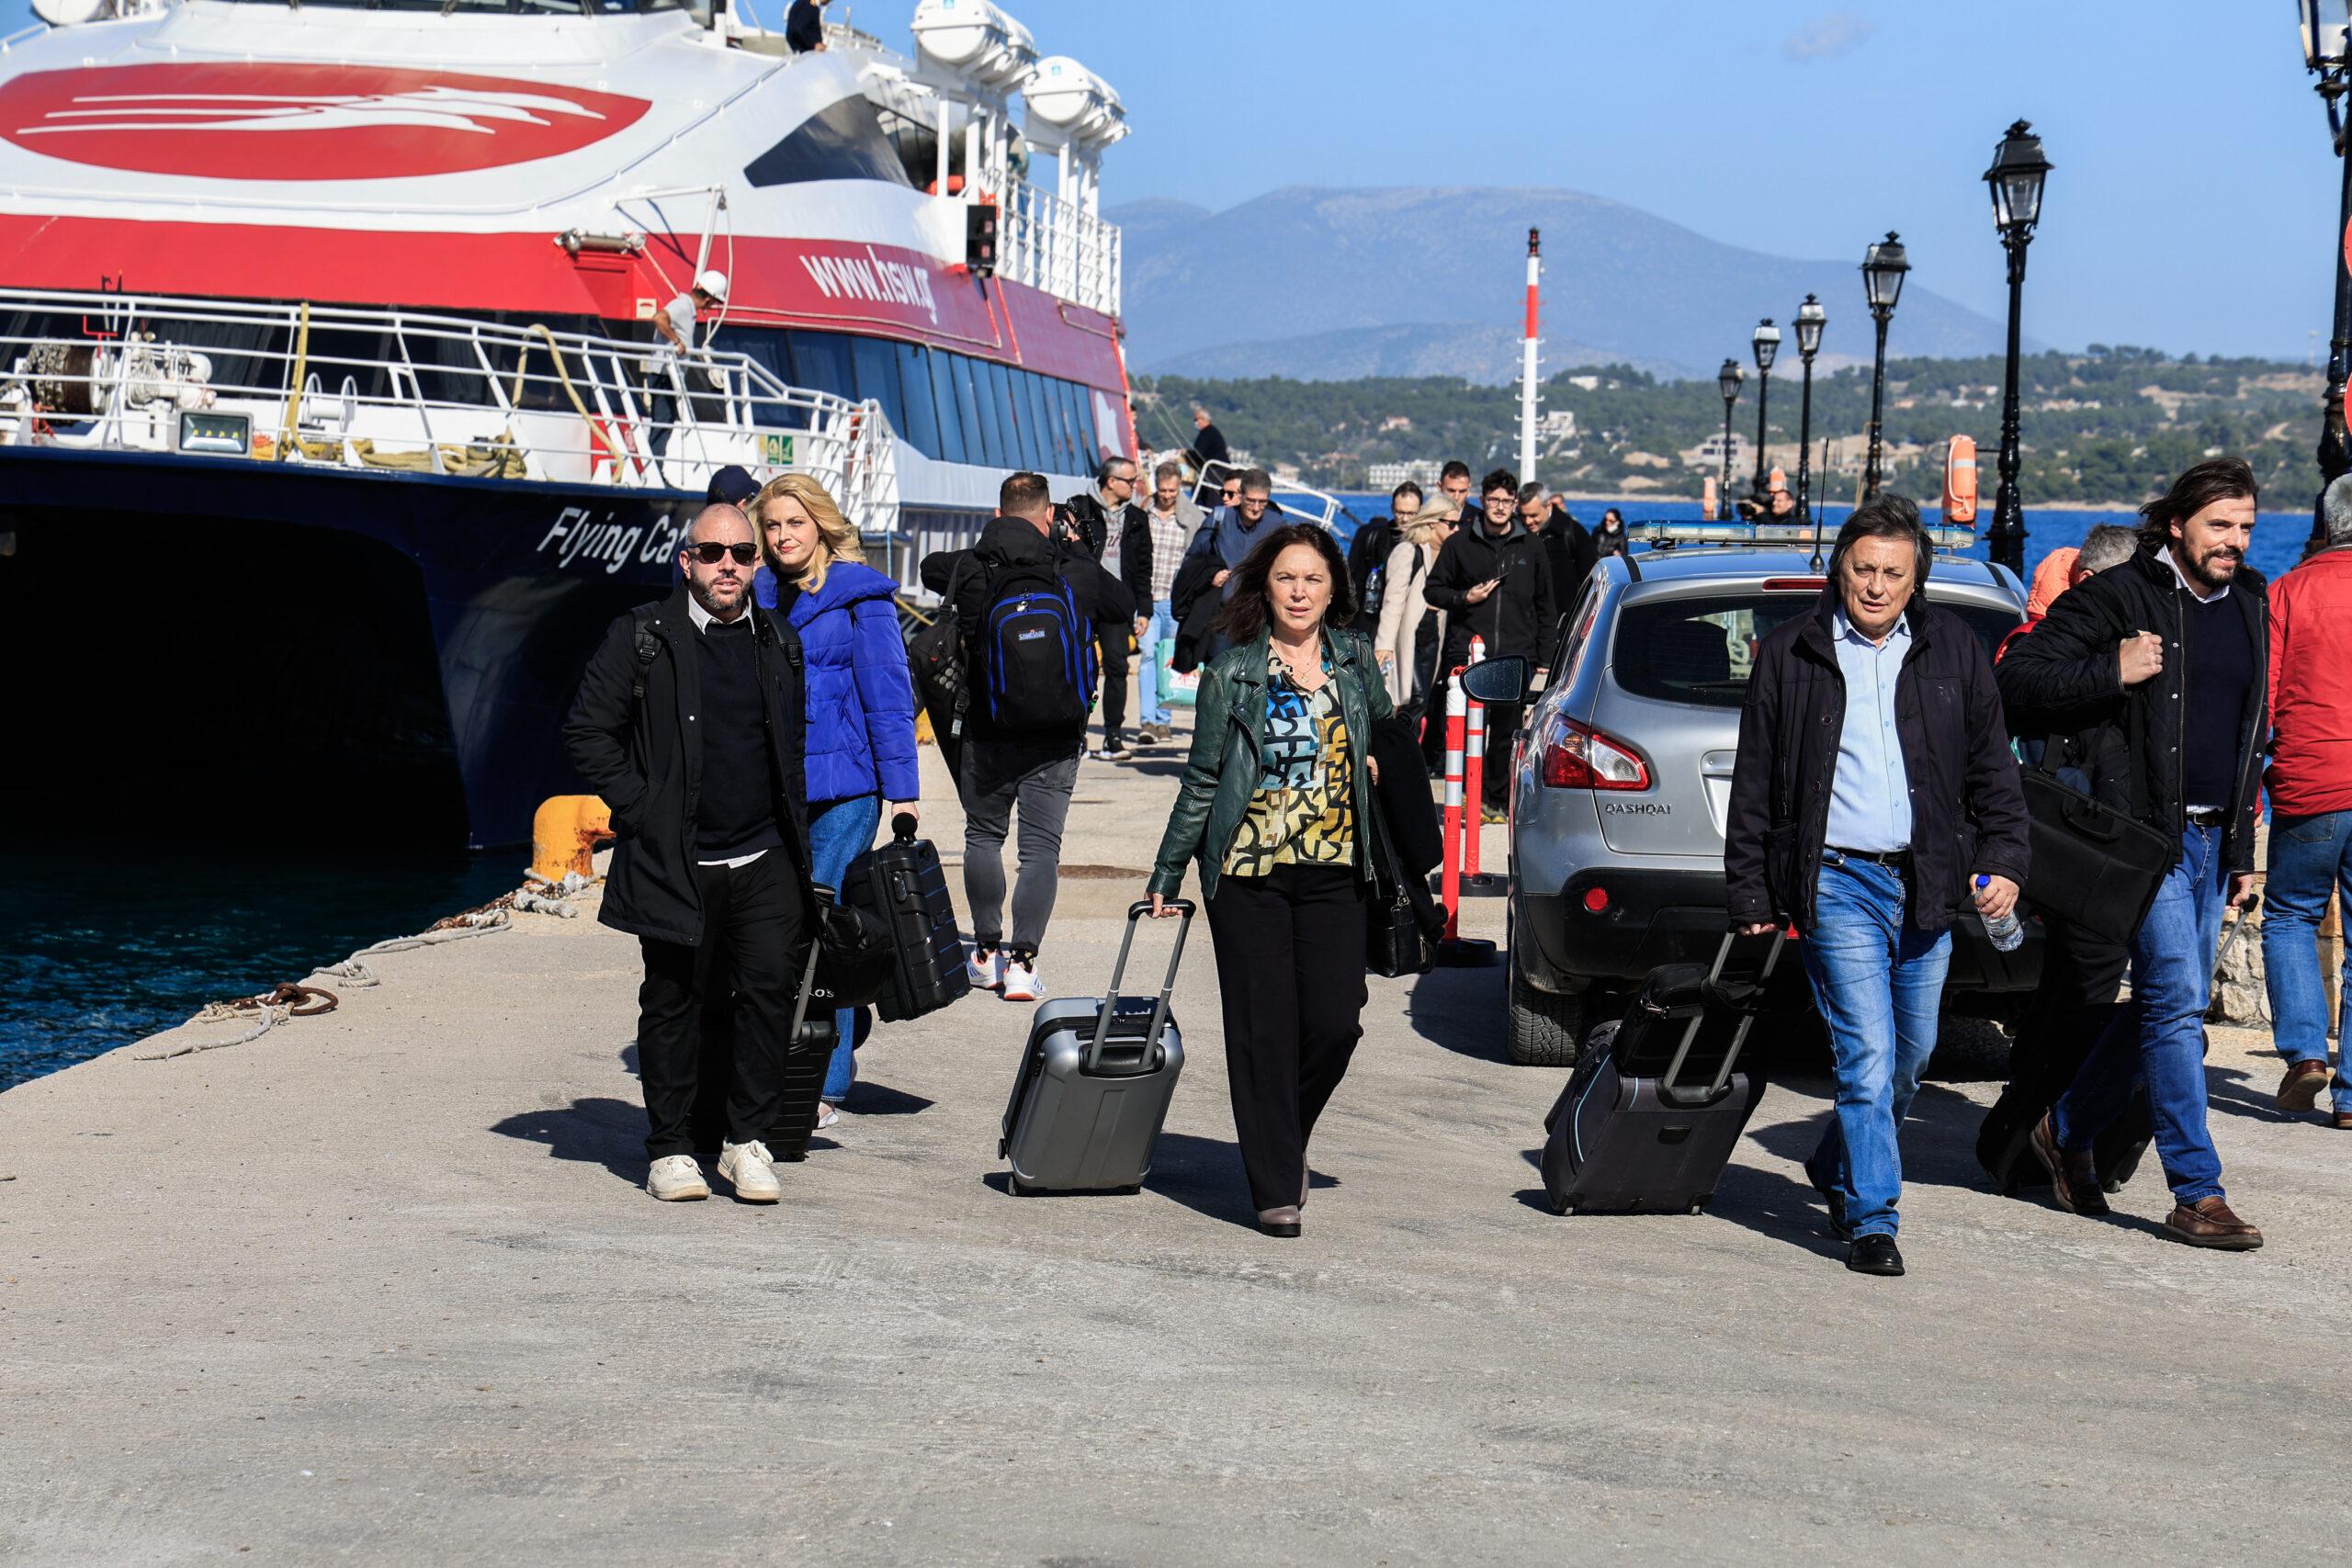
[383,1287]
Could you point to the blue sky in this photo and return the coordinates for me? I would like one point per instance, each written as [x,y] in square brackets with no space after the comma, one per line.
[2191,207]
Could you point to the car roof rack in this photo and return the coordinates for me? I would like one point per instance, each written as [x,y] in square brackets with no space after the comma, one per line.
[1666,534]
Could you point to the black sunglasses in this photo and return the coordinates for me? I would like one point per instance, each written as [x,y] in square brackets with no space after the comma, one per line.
[712,554]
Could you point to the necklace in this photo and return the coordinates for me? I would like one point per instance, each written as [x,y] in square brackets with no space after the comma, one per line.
[1312,662]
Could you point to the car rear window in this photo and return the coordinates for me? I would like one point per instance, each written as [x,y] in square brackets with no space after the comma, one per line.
[1699,649]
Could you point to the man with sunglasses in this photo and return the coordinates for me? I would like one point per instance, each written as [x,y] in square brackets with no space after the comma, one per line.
[1493,581]
[1228,536]
[689,723]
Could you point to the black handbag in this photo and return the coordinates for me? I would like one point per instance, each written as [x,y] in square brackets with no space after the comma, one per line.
[935,658]
[856,957]
[2093,866]
[1394,941]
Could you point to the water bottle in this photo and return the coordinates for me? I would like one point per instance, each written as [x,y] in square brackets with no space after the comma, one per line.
[2006,933]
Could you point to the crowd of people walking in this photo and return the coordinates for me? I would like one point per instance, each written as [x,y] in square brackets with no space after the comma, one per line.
[750,732]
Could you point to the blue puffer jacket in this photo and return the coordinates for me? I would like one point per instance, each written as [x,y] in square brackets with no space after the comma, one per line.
[860,700]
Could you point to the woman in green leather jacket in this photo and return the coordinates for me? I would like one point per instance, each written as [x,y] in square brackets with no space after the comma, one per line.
[1275,805]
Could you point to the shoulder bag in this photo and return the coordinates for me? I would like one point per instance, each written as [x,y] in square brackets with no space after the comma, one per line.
[2093,866]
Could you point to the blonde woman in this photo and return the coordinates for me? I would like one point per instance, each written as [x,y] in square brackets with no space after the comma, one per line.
[1410,633]
[861,701]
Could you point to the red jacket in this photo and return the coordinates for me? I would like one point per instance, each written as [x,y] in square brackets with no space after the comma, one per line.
[2310,686]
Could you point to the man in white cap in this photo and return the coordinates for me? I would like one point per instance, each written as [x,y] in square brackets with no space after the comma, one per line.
[676,325]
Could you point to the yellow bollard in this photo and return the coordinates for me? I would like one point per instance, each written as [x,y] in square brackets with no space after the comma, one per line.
[565,831]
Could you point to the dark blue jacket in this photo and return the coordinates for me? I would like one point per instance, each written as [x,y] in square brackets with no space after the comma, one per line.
[861,698]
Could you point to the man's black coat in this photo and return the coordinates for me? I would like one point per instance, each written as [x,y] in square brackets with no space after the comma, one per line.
[1518,616]
[2065,676]
[1967,809]
[645,759]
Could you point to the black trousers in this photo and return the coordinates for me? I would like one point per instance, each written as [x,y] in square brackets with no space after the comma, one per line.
[2081,975]
[1290,963]
[755,928]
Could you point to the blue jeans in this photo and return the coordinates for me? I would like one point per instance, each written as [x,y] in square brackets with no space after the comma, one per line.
[840,831]
[1150,709]
[2160,1036]
[2311,857]
[1877,981]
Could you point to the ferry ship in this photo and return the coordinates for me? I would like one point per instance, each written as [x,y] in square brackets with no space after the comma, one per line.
[334,424]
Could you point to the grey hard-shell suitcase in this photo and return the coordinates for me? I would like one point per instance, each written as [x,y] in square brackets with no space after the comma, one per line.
[1650,1116]
[1094,1083]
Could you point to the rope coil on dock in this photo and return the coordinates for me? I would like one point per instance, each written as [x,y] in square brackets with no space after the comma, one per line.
[268,1009]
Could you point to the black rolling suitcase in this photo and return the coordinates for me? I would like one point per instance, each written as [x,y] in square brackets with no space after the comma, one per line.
[903,884]
[1650,1116]
[807,1051]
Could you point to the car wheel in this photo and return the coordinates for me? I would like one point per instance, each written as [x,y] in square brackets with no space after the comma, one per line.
[1546,1030]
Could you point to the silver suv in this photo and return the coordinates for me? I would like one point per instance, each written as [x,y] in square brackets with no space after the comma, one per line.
[1623,775]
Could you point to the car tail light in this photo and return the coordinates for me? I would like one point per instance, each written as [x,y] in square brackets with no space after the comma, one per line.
[1596,899]
[1795,584]
[1576,756]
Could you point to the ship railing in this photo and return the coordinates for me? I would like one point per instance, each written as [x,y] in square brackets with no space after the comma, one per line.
[1299,502]
[394,390]
[1059,246]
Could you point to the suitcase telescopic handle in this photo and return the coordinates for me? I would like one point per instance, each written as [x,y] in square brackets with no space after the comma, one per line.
[1136,912]
[1667,1085]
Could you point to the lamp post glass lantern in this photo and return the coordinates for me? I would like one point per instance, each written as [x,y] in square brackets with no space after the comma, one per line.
[2015,179]
[1811,320]
[1767,346]
[1883,267]
[1727,381]
[2326,28]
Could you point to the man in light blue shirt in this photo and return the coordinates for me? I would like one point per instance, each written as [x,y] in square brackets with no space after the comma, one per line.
[1870,799]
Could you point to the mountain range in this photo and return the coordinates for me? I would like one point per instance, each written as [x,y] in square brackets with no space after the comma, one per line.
[1330,283]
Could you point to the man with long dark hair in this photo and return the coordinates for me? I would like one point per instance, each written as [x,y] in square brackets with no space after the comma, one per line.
[2163,660]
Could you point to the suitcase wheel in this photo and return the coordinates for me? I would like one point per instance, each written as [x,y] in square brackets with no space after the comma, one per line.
[1017,1186]
[1698,1205]
[1131,1190]
[1559,1205]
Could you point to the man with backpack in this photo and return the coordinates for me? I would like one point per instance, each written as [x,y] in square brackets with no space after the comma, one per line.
[1107,519]
[1034,611]
[1368,553]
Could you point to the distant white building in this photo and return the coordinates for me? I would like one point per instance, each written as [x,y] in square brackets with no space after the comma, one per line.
[1423,472]
[1708,456]
[1556,423]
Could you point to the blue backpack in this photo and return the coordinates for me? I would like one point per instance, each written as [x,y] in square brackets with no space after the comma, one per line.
[1037,656]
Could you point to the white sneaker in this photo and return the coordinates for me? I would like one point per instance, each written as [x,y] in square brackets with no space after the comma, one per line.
[827,1116]
[985,973]
[1021,983]
[676,1178]
[748,1166]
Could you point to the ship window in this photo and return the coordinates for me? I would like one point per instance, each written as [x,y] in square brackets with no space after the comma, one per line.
[877,377]
[820,363]
[999,382]
[958,430]
[1068,398]
[1053,448]
[922,429]
[998,444]
[1034,444]
[844,141]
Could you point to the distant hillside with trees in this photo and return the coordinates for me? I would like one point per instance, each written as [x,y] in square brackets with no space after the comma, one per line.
[2107,426]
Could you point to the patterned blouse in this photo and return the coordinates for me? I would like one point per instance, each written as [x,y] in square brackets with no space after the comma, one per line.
[1304,811]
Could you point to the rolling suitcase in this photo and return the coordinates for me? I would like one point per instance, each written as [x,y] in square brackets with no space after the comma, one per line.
[1094,1083]
[1650,1116]
[902,884]
[808,1050]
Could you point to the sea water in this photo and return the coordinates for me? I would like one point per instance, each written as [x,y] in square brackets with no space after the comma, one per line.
[2278,536]
[101,946]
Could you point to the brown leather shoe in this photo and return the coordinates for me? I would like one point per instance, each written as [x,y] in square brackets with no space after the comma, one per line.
[2209,1223]
[2074,1175]
[2299,1089]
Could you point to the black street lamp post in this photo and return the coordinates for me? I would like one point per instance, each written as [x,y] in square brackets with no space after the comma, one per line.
[1883,266]
[2016,179]
[1811,320]
[1727,382]
[2328,53]
[1767,344]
